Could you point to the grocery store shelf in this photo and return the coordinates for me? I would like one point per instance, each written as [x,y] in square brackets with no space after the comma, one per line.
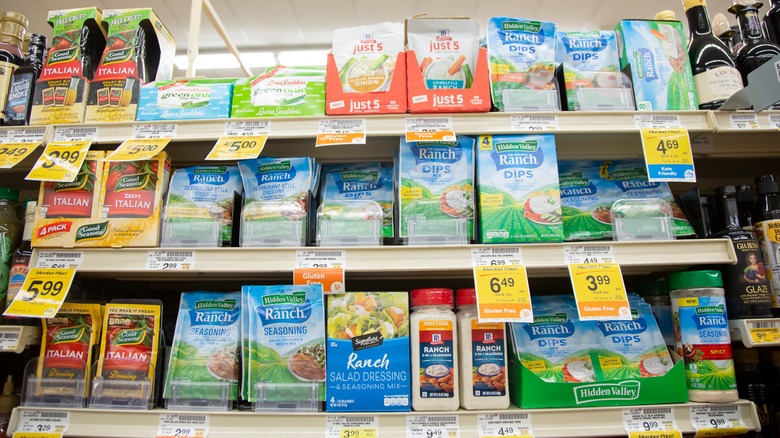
[738,121]
[760,332]
[392,261]
[16,338]
[577,422]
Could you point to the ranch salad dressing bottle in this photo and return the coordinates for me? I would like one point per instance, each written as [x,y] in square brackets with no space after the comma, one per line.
[482,357]
[434,351]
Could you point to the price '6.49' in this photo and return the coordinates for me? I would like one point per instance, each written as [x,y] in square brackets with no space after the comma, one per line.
[496,284]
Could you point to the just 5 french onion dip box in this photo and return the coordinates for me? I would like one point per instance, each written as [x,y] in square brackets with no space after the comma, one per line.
[124,201]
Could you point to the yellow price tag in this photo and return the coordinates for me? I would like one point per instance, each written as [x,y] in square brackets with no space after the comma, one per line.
[42,294]
[668,155]
[503,294]
[599,291]
[37,435]
[357,432]
[236,147]
[60,161]
[765,335]
[12,154]
[137,149]
[656,434]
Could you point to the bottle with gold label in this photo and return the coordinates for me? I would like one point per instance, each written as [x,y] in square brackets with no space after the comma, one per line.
[715,75]
[13,25]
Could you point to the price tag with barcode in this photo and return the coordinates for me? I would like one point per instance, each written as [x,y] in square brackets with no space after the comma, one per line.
[166,130]
[325,267]
[717,420]
[744,121]
[432,426]
[183,426]
[247,128]
[534,123]
[351,426]
[764,332]
[502,285]
[650,423]
[59,259]
[9,338]
[161,260]
[504,425]
[70,133]
[774,121]
[429,129]
[588,254]
[341,131]
[657,121]
[22,135]
[41,421]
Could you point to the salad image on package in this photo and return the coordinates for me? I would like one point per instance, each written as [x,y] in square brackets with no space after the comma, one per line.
[446,50]
[522,57]
[365,56]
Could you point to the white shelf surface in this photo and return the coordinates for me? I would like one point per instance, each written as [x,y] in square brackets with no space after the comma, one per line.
[408,261]
[579,422]
[767,121]
[16,338]
[758,332]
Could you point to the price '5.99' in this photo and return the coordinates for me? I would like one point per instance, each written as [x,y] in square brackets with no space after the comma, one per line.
[44,288]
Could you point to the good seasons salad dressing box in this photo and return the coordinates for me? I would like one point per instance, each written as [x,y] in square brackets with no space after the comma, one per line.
[517,185]
[436,182]
[368,352]
[654,55]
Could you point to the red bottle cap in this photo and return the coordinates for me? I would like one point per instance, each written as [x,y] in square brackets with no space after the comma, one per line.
[467,297]
[432,297]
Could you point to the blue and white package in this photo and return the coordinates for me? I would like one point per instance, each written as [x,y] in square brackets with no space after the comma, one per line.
[589,60]
[368,358]
[185,100]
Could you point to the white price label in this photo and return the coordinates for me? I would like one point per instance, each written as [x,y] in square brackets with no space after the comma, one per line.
[252,128]
[167,130]
[22,135]
[717,420]
[183,426]
[43,421]
[496,256]
[774,121]
[534,123]
[308,259]
[578,254]
[638,420]
[744,121]
[504,425]
[170,260]
[429,128]
[60,259]
[432,426]
[9,338]
[68,133]
[657,121]
[351,426]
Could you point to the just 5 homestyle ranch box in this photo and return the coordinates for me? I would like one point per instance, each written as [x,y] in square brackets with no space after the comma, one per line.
[368,352]
[653,54]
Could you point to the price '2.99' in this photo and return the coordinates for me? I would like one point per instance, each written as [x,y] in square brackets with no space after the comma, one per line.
[44,288]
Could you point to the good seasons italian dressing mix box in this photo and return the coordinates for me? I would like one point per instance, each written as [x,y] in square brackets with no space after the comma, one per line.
[368,352]
[517,185]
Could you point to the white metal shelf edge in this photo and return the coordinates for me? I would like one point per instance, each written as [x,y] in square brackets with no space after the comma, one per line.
[16,338]
[767,332]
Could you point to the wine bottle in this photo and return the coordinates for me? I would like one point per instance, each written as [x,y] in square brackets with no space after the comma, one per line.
[756,50]
[772,22]
[715,75]
[722,29]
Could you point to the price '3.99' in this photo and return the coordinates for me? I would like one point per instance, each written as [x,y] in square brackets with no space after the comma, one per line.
[55,157]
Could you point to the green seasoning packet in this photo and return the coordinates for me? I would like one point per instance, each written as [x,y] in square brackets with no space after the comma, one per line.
[205,345]
[589,188]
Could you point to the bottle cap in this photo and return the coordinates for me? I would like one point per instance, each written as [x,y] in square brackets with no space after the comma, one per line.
[745,193]
[766,184]
[687,4]
[720,25]
[38,39]
[14,16]
[9,194]
[694,279]
[432,297]
[666,15]
[466,297]
[726,191]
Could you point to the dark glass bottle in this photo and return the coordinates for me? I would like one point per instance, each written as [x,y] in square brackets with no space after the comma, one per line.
[756,50]
[722,29]
[754,385]
[768,200]
[745,205]
[747,290]
[771,22]
[13,25]
[766,224]
[715,75]
[21,92]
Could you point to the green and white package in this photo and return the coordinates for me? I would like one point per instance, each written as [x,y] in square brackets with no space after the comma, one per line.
[281,92]
[365,56]
[446,49]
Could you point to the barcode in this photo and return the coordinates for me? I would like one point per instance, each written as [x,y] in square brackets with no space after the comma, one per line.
[9,335]
[345,122]
[64,255]
[726,408]
[665,118]
[512,416]
[177,254]
[654,411]
[53,414]
[598,248]
[541,118]
[254,124]
[746,117]
[442,419]
[193,418]
[506,250]
[363,419]
[76,132]
[764,325]
[326,254]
